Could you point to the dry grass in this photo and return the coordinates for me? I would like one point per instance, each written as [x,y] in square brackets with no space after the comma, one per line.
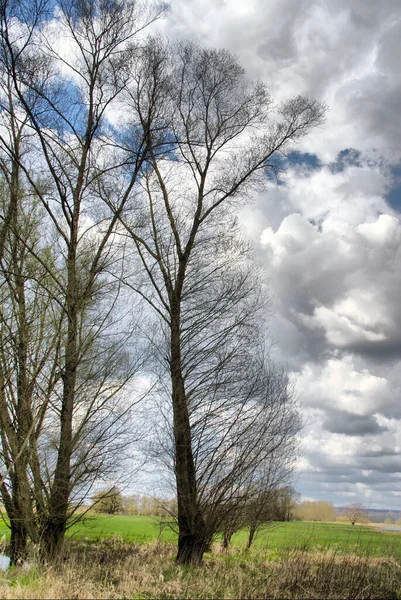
[330,575]
[113,569]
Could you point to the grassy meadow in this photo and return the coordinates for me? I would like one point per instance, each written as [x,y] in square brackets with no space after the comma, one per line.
[133,557]
[282,537]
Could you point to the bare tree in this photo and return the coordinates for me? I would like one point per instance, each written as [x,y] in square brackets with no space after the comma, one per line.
[355,513]
[29,354]
[32,335]
[29,344]
[268,491]
[223,137]
[64,102]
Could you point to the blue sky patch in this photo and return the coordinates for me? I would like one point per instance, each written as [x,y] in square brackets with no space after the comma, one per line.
[346,158]
[304,159]
[394,196]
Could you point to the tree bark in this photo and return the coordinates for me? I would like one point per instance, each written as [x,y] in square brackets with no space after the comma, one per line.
[251,535]
[52,538]
[54,525]
[18,542]
[192,531]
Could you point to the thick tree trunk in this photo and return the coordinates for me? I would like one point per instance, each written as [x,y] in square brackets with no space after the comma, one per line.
[52,538]
[18,508]
[191,547]
[18,542]
[54,524]
[192,531]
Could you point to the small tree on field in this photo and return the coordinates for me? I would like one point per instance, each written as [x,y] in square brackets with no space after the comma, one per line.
[355,513]
[286,502]
[109,502]
[260,511]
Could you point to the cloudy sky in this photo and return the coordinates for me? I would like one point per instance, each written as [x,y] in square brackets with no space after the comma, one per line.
[329,237]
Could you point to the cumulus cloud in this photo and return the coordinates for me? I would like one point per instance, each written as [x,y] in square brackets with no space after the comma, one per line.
[338,384]
[338,281]
[334,271]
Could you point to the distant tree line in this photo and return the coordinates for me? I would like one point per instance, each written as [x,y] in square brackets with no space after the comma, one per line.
[113,502]
[319,510]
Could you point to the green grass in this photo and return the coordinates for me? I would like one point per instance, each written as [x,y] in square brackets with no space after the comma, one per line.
[278,537]
[132,529]
[341,537]
[4,529]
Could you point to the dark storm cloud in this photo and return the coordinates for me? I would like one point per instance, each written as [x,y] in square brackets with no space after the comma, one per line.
[346,477]
[381,351]
[384,464]
[340,421]
[382,452]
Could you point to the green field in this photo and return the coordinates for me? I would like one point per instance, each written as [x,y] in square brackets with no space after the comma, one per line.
[277,537]
[343,538]
[132,529]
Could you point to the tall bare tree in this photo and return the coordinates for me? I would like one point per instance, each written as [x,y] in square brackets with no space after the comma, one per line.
[223,137]
[67,73]
[30,322]
[30,343]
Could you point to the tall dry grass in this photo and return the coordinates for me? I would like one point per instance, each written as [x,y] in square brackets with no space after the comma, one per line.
[114,569]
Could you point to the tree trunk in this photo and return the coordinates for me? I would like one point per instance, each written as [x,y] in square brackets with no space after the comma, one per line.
[251,535]
[19,512]
[192,531]
[18,542]
[52,538]
[191,548]
[54,525]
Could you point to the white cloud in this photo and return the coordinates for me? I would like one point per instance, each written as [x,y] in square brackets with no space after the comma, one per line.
[337,277]
[358,317]
[336,384]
